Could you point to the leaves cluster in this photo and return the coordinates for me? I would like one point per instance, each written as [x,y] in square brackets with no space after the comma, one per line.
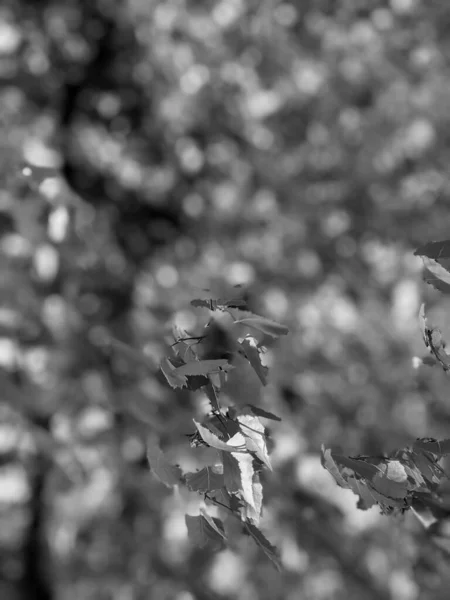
[394,482]
[237,434]
[409,478]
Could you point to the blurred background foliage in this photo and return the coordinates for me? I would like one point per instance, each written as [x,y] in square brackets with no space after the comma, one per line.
[150,149]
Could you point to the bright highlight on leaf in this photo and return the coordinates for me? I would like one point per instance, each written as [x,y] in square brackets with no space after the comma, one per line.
[435,272]
[264,325]
[434,341]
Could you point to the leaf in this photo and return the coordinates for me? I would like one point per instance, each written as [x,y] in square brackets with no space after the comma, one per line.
[167,473]
[235,444]
[391,481]
[262,324]
[269,550]
[202,534]
[329,464]
[183,345]
[372,483]
[362,469]
[238,475]
[259,412]
[214,523]
[252,354]
[439,448]
[437,283]
[231,472]
[174,378]
[253,513]
[235,303]
[409,475]
[225,427]
[433,340]
[423,322]
[203,367]
[225,498]
[436,275]
[195,382]
[421,468]
[201,303]
[434,250]
[205,480]
[255,437]
[212,394]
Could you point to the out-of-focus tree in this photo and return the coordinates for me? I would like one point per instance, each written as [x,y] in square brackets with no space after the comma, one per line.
[150,149]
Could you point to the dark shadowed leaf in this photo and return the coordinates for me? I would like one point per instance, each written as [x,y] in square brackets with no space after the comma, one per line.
[439,448]
[205,480]
[259,412]
[167,473]
[434,250]
[225,427]
[203,367]
[269,550]
[212,394]
[195,382]
[225,498]
[200,303]
[202,534]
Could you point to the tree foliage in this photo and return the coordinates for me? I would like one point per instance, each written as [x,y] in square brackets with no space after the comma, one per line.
[154,149]
[411,477]
[236,433]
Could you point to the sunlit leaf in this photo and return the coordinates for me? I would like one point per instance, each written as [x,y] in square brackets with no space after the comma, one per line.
[238,475]
[255,437]
[433,340]
[253,356]
[235,444]
[253,513]
[436,275]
